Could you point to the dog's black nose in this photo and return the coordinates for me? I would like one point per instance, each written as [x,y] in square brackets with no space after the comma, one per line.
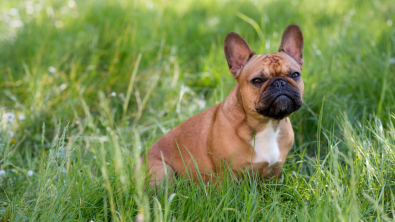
[279,83]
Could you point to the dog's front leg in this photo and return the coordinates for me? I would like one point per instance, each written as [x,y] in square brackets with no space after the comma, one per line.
[159,171]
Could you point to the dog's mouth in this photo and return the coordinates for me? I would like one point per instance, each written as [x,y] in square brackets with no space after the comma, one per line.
[279,104]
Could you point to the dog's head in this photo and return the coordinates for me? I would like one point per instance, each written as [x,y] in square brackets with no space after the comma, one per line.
[270,85]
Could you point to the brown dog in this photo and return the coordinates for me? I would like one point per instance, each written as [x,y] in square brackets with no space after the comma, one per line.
[250,129]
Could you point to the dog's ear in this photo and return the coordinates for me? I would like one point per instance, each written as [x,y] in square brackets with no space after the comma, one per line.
[237,52]
[292,43]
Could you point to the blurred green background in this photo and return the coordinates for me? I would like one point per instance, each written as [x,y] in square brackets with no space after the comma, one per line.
[145,66]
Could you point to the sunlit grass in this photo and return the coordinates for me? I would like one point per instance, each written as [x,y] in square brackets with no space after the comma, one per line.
[88,86]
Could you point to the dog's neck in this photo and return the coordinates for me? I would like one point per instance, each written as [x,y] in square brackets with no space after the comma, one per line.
[237,114]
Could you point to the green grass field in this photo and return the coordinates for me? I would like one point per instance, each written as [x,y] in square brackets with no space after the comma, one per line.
[88,86]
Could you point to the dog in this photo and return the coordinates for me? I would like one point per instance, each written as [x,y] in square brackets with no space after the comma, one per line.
[250,129]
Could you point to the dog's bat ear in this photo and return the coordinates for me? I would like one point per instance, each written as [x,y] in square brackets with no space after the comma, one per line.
[292,43]
[237,52]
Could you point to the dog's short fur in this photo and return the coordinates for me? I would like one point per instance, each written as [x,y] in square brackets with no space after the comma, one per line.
[250,129]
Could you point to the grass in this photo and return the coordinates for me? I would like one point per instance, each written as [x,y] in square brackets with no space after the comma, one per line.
[93,84]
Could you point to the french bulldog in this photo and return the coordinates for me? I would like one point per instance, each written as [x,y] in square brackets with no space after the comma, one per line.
[250,129]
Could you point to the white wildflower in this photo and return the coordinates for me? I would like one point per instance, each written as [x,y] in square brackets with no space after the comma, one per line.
[30,173]
[29,7]
[267,45]
[16,23]
[90,67]
[64,10]
[213,22]
[185,89]
[38,7]
[13,12]
[201,103]
[71,3]
[149,5]
[21,117]
[29,10]
[5,18]
[28,3]
[52,69]
[9,117]
[2,172]
[140,217]
[63,86]
[113,94]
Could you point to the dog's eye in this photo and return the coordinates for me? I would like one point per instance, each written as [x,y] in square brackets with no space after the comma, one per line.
[295,75]
[257,81]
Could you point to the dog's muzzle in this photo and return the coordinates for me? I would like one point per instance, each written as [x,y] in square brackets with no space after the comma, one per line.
[279,99]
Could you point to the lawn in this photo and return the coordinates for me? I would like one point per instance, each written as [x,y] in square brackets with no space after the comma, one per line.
[88,86]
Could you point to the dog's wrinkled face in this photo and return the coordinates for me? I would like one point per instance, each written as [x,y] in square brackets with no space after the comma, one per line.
[270,85]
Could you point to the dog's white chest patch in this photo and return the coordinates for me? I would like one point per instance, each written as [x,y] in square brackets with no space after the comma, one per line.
[266,146]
